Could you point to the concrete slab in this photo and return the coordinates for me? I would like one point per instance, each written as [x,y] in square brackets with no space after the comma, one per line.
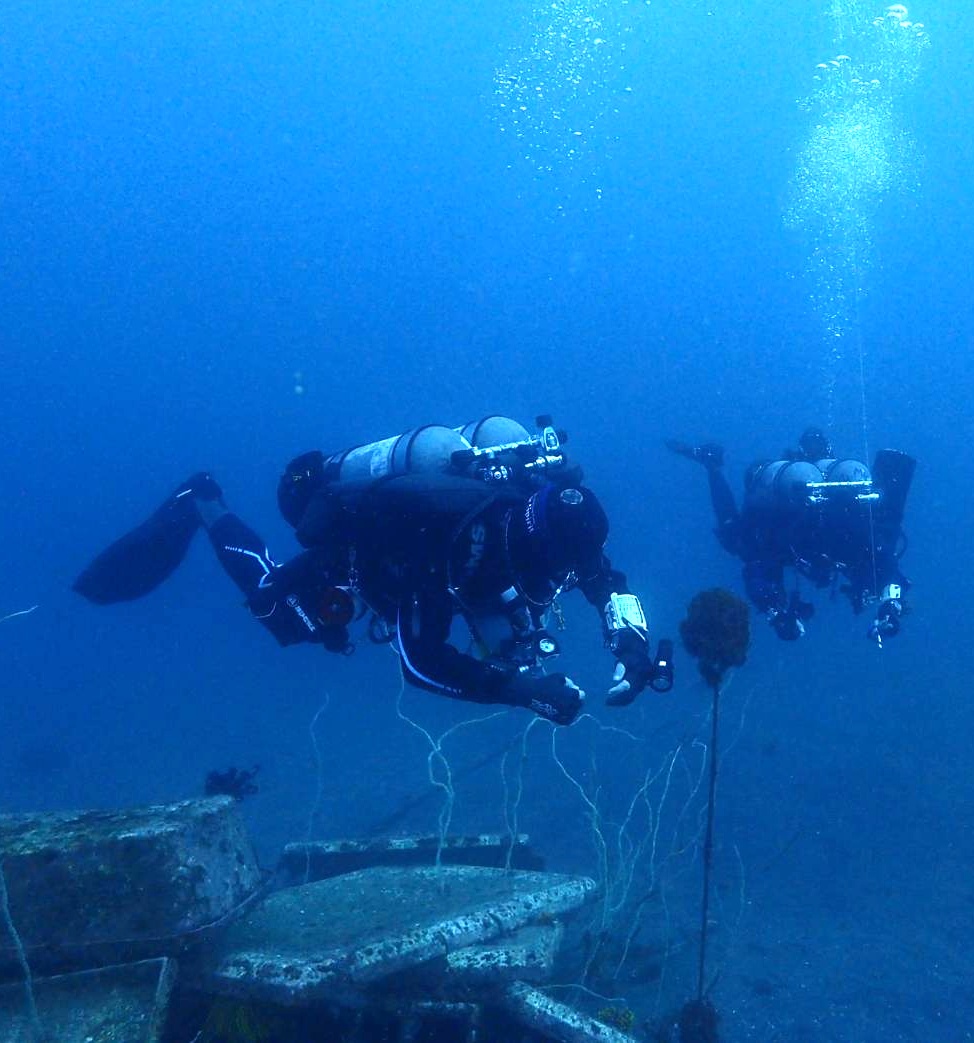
[526,955]
[302,862]
[107,886]
[476,972]
[538,1011]
[329,939]
[121,1004]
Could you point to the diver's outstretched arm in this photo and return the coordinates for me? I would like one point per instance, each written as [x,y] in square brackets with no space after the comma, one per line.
[626,633]
[429,661]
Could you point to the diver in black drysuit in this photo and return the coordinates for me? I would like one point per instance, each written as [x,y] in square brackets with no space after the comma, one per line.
[826,535]
[415,550]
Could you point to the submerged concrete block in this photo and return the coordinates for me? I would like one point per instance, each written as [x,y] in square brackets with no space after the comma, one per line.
[318,859]
[478,971]
[538,1011]
[121,1004]
[526,955]
[328,939]
[107,886]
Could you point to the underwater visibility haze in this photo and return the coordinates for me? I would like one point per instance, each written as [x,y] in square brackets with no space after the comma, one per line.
[231,233]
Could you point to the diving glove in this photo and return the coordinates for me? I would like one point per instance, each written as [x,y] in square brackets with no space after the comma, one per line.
[554,696]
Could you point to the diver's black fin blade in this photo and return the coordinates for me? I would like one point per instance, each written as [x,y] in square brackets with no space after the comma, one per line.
[140,560]
[892,474]
[680,448]
[710,454]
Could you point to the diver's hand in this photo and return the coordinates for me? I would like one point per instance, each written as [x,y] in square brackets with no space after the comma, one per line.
[634,668]
[887,621]
[555,697]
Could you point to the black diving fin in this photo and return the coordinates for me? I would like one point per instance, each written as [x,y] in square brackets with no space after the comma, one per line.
[892,475]
[139,561]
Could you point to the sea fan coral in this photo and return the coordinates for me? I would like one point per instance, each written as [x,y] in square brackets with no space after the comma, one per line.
[716,632]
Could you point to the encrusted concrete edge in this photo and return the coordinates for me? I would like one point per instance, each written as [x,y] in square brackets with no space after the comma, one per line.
[492,964]
[489,921]
[340,976]
[427,842]
[304,861]
[536,1010]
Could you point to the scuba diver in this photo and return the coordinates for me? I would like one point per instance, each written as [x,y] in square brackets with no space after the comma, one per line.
[832,521]
[484,522]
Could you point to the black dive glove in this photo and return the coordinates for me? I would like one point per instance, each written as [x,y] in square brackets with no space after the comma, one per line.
[555,697]
[634,669]
[887,621]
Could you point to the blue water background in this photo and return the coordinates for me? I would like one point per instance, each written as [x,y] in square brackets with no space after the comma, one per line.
[205,206]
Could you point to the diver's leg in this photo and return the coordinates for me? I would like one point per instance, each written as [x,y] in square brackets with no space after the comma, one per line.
[286,599]
[241,552]
[764,582]
[287,609]
[711,457]
[722,501]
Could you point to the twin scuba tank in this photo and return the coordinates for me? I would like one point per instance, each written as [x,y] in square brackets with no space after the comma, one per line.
[790,486]
[494,449]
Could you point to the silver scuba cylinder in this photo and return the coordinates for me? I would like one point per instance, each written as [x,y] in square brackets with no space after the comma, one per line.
[835,470]
[305,499]
[494,430]
[422,450]
[788,485]
[843,482]
[781,485]
[427,449]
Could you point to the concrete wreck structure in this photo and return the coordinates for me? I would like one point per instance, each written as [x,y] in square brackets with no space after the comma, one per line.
[150,925]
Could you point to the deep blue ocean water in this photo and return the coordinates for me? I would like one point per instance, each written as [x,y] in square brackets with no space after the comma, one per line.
[231,232]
